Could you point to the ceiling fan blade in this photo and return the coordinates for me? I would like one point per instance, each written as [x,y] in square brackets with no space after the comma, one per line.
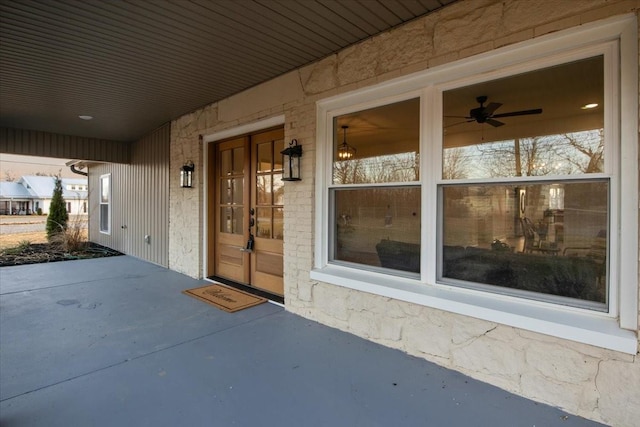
[458,117]
[494,123]
[493,106]
[519,113]
[459,123]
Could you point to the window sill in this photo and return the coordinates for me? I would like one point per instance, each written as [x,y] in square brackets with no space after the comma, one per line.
[561,322]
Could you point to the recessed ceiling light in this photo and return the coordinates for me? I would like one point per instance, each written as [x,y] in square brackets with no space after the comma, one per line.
[589,106]
[85,117]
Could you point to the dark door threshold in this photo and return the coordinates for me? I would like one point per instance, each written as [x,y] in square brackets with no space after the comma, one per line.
[249,289]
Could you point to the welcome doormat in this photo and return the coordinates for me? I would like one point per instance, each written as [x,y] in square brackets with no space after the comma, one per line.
[224,297]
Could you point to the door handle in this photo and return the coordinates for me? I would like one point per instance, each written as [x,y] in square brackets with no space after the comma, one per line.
[251,241]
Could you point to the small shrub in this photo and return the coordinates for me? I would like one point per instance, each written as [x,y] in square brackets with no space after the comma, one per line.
[73,238]
[22,246]
[39,211]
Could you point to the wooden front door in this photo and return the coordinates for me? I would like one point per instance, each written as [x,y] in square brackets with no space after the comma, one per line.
[248,211]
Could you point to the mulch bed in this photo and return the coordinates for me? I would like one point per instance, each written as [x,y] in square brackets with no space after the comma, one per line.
[45,252]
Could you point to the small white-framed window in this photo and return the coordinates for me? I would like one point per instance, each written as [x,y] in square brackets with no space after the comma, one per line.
[375,190]
[105,204]
[519,194]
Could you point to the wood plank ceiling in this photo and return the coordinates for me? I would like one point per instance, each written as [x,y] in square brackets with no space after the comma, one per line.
[135,65]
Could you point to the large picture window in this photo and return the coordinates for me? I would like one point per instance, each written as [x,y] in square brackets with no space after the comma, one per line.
[537,239]
[501,187]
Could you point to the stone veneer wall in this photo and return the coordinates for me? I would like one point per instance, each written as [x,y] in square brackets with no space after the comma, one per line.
[589,381]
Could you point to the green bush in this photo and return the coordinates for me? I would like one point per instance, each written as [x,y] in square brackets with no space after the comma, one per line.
[58,216]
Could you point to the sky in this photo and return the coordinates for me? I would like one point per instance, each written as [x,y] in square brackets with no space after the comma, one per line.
[15,166]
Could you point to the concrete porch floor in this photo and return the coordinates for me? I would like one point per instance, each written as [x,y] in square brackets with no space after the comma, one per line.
[113,342]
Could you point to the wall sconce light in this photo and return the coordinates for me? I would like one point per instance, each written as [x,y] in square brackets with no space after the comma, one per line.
[291,161]
[186,175]
[345,151]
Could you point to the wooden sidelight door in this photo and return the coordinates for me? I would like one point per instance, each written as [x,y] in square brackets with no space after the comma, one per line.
[248,211]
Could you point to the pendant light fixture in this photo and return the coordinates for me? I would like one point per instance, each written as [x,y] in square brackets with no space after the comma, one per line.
[345,151]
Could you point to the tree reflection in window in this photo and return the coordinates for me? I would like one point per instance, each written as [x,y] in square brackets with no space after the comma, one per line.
[565,154]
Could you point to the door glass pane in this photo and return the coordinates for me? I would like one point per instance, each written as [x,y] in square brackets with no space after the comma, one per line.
[238,161]
[226,191]
[225,163]
[278,189]
[231,191]
[540,123]
[278,146]
[238,220]
[278,223]
[226,220]
[237,190]
[383,144]
[231,220]
[378,227]
[264,157]
[547,238]
[263,189]
[263,223]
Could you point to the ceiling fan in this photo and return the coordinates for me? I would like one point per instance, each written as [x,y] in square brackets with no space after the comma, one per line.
[485,114]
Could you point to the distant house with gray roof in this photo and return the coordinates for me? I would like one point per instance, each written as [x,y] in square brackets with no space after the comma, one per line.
[30,193]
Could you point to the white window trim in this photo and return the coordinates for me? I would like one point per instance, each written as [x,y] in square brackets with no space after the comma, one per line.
[100,203]
[609,50]
[617,332]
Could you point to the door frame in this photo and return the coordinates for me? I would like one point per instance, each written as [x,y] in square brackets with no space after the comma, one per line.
[208,170]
